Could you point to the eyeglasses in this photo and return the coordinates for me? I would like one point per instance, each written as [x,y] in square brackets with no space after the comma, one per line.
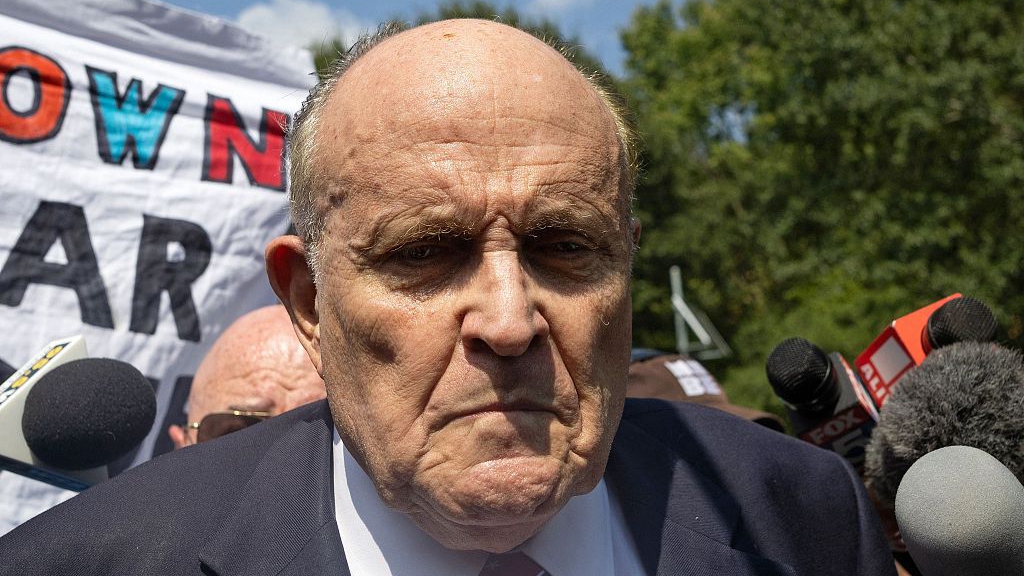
[217,424]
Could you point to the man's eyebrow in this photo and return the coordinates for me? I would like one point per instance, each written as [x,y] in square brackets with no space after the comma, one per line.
[557,219]
[575,216]
[392,231]
[432,228]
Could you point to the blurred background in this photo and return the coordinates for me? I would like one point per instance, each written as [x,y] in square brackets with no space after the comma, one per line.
[813,168]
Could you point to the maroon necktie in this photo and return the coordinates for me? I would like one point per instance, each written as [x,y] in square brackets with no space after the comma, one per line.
[512,564]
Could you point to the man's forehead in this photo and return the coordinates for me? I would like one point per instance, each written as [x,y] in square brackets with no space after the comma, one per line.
[467,106]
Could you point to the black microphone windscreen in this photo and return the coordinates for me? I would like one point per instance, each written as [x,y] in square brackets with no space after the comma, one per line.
[962,319]
[801,374]
[88,413]
[965,394]
[961,513]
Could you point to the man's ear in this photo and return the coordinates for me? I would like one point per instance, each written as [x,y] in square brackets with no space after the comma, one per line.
[292,281]
[635,222]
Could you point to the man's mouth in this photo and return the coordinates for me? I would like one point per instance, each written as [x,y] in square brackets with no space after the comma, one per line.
[509,407]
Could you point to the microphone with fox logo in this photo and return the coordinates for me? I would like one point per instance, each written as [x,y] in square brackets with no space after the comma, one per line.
[827,404]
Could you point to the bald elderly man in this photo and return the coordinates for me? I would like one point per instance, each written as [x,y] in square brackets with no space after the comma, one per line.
[461,281]
[256,369]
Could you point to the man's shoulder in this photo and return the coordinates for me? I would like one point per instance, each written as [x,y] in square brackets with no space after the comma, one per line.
[744,486]
[740,452]
[172,502]
[698,432]
[217,465]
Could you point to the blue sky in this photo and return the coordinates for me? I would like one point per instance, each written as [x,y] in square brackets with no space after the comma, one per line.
[595,22]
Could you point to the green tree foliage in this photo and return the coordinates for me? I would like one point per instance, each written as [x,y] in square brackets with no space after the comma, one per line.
[820,167]
[327,52]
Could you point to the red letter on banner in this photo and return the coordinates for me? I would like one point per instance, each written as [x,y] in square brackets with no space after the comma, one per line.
[52,89]
[226,137]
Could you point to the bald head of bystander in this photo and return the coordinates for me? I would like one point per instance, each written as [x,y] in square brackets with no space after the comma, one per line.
[256,369]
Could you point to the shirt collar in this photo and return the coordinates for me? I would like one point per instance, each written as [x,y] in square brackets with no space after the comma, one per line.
[577,540]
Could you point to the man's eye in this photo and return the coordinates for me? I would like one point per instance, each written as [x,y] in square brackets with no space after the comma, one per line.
[568,246]
[562,245]
[419,252]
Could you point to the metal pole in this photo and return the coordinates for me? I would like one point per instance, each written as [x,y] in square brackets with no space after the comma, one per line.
[682,334]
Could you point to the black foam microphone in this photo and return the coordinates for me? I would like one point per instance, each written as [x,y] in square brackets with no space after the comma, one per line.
[64,417]
[827,404]
[88,413]
[964,394]
[961,513]
[963,319]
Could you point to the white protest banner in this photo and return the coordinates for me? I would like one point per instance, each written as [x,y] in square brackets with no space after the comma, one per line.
[141,148]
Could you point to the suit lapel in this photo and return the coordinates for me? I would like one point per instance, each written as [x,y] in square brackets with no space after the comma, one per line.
[284,522]
[682,522]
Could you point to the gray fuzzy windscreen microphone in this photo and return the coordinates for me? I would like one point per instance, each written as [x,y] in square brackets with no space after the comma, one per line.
[88,413]
[961,512]
[964,394]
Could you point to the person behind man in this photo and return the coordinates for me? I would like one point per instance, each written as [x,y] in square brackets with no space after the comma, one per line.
[461,280]
[657,374]
[256,369]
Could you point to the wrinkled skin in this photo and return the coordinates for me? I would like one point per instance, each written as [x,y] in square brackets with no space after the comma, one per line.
[472,314]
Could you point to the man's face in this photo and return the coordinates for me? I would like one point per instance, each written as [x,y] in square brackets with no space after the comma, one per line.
[473,302]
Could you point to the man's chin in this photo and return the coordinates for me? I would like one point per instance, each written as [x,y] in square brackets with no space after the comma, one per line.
[494,505]
[495,538]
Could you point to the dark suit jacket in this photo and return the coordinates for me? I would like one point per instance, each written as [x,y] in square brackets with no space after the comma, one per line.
[704,493]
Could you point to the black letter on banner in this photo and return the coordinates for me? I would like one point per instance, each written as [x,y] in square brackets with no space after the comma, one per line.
[54,221]
[155,273]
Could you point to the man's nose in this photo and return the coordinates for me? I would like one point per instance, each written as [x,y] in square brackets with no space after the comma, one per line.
[503,313]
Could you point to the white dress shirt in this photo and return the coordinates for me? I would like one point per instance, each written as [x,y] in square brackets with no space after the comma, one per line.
[588,537]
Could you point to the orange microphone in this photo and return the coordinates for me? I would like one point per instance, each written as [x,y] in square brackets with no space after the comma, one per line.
[906,342]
